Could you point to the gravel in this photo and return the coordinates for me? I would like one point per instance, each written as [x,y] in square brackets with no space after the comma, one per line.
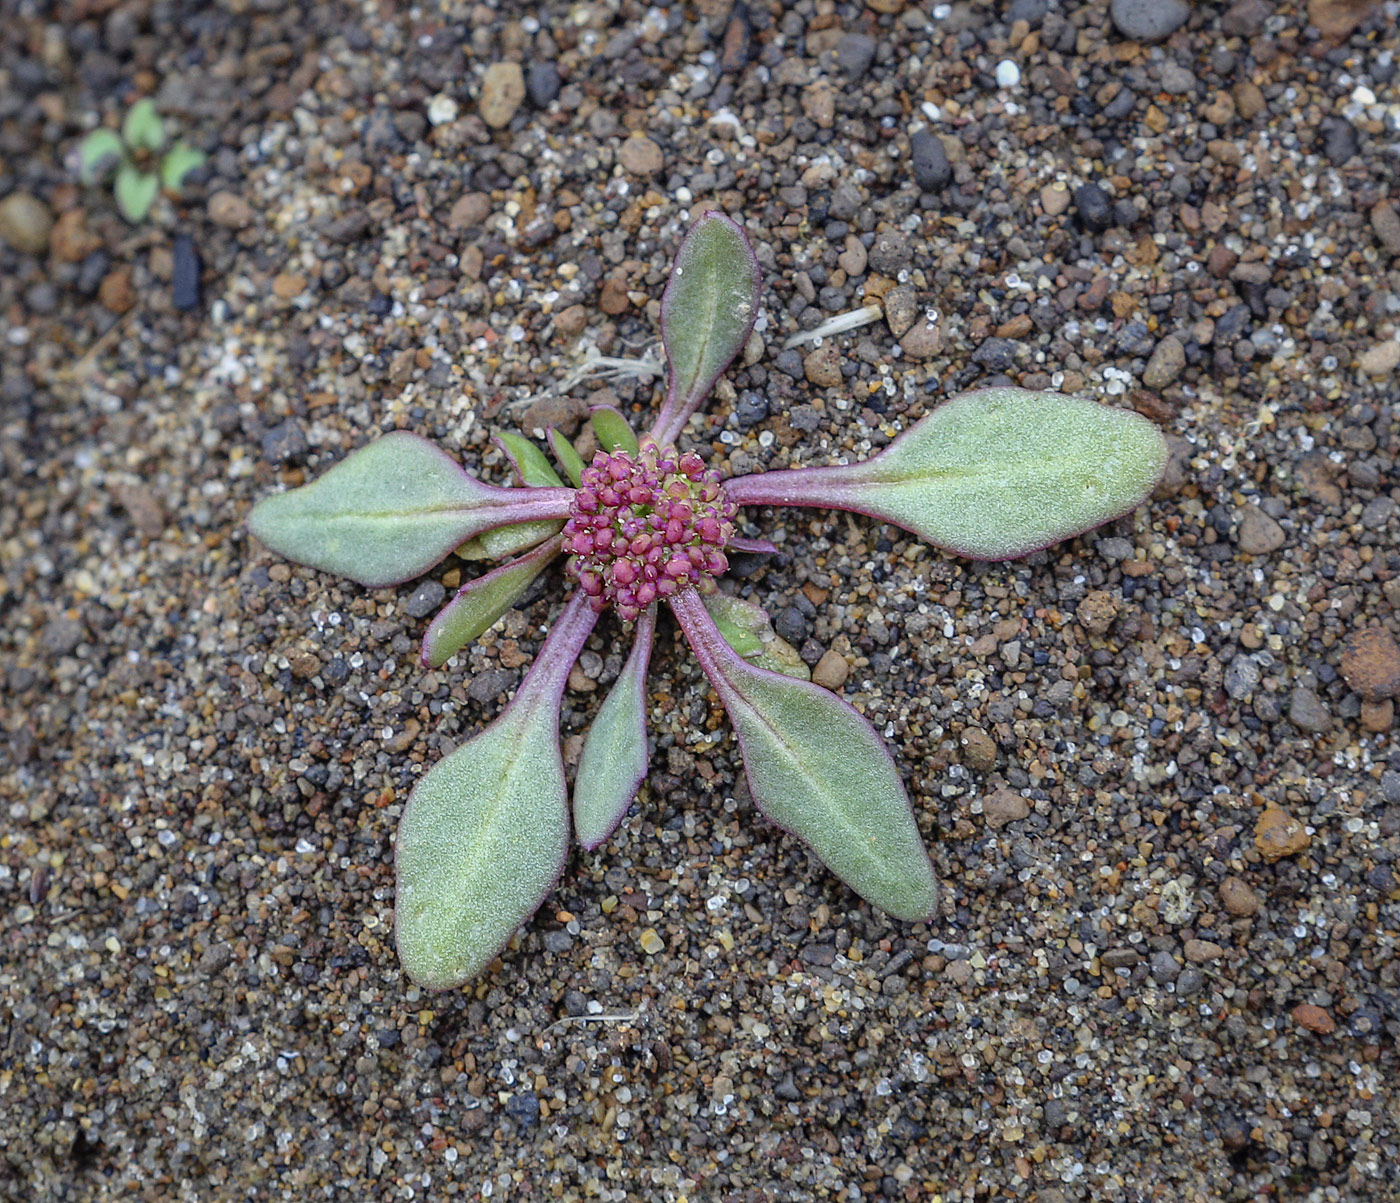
[205,750]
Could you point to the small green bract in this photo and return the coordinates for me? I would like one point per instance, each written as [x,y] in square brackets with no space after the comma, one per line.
[992,474]
[134,158]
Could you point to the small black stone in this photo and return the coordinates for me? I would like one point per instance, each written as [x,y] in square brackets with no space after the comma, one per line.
[1093,206]
[750,409]
[1032,12]
[524,1109]
[425,599]
[791,625]
[284,443]
[1338,140]
[854,54]
[184,279]
[932,171]
[996,354]
[542,84]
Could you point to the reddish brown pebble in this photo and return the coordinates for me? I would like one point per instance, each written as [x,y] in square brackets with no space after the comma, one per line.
[1315,1019]
[614,299]
[1371,663]
[1238,898]
[831,670]
[1278,834]
[1003,807]
[1097,612]
[115,292]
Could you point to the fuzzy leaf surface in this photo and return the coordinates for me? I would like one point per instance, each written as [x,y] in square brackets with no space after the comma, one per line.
[390,511]
[98,156]
[502,542]
[614,432]
[992,474]
[143,129]
[136,192]
[817,769]
[707,312]
[614,760]
[569,458]
[529,461]
[480,602]
[176,165]
[486,831]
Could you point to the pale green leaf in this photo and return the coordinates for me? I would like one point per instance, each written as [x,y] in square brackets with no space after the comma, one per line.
[614,432]
[529,461]
[992,474]
[136,192]
[746,628]
[486,831]
[614,760]
[817,769]
[480,602]
[386,513]
[99,155]
[501,542]
[178,164]
[569,459]
[707,312]
[142,129]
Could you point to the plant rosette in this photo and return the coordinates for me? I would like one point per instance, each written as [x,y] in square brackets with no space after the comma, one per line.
[134,161]
[993,474]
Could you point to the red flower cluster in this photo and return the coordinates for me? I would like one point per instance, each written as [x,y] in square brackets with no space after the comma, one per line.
[646,526]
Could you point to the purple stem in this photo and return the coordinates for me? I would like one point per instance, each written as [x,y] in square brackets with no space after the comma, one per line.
[533,503]
[825,488]
[544,683]
[755,546]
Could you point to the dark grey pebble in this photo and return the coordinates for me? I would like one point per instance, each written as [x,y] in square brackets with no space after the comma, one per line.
[557,941]
[1032,12]
[382,132]
[791,625]
[1241,677]
[284,443]
[1307,712]
[1390,786]
[61,636]
[425,599]
[1149,20]
[891,253]
[854,54]
[804,418]
[932,171]
[1245,18]
[1164,968]
[524,1109]
[1093,206]
[184,279]
[92,272]
[750,409]
[845,202]
[996,354]
[41,297]
[1120,106]
[1338,140]
[789,363]
[542,84]
[488,685]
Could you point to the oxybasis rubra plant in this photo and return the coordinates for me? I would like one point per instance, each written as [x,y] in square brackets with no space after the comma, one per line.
[993,474]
